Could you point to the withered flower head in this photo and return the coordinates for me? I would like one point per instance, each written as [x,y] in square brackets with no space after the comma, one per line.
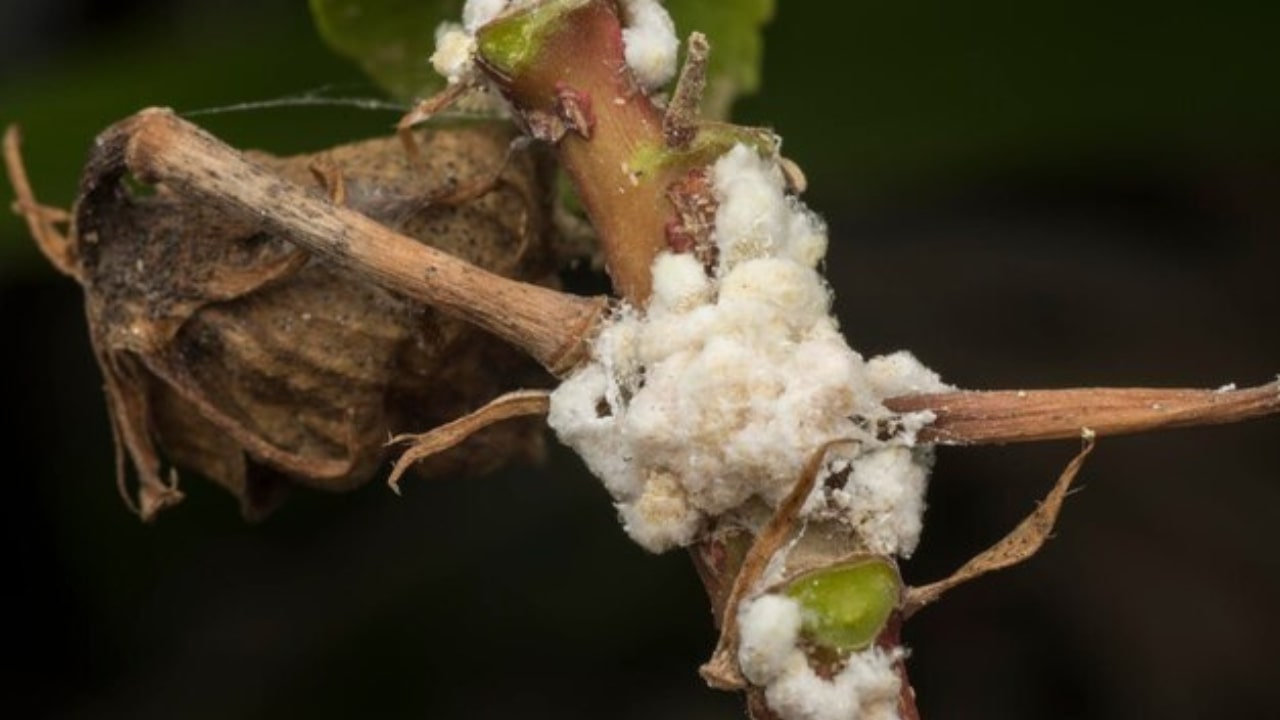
[231,352]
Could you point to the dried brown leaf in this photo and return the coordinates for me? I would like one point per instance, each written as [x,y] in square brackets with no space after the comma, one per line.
[521,403]
[1025,540]
[234,353]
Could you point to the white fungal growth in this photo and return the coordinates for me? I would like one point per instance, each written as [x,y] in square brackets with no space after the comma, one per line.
[718,393]
[770,656]
[455,52]
[866,688]
[901,373]
[480,12]
[649,42]
[757,219]
[769,628]
[883,498]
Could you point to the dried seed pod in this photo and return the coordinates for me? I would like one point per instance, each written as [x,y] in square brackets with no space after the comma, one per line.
[237,355]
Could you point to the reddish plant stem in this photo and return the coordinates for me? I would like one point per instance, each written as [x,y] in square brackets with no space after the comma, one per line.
[891,637]
[970,417]
[581,58]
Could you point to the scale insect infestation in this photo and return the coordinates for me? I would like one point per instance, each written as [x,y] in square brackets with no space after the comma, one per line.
[277,322]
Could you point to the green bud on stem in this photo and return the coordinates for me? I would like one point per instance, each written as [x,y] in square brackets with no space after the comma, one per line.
[846,606]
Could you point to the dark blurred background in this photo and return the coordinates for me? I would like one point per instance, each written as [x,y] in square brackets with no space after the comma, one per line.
[1036,195]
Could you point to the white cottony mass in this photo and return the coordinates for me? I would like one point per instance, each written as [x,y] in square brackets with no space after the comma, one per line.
[715,395]
[708,403]
[704,406]
[649,42]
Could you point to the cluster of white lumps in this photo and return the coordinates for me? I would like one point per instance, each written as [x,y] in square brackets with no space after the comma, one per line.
[866,688]
[713,397]
[717,393]
[649,40]
[706,404]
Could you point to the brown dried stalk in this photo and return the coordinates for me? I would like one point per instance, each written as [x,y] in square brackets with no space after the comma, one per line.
[521,403]
[1019,545]
[42,220]
[988,417]
[159,147]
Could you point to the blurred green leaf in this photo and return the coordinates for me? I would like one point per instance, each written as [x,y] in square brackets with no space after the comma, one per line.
[734,28]
[391,39]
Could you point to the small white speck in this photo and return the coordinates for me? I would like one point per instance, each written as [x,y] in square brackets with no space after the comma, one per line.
[632,177]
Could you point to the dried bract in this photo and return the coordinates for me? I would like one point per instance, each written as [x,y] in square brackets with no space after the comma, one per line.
[236,354]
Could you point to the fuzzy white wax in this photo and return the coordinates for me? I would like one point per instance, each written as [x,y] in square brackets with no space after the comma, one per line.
[734,375]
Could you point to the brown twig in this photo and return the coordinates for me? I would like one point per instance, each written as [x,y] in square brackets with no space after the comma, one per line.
[521,403]
[680,123]
[42,220]
[1025,540]
[973,417]
[159,147]
[423,111]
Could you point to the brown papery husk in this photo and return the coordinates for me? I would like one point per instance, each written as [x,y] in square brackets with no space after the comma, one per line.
[233,353]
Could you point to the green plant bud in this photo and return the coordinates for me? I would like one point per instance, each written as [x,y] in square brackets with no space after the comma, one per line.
[511,42]
[844,607]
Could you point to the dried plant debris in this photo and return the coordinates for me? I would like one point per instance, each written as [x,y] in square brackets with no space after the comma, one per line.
[235,354]
[419,447]
[1021,544]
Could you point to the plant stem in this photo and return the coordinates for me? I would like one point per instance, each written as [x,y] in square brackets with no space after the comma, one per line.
[1002,416]
[561,64]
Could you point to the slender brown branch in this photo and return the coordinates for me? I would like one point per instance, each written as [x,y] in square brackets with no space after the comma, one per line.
[521,403]
[1019,545]
[41,220]
[680,123]
[159,147]
[975,417]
